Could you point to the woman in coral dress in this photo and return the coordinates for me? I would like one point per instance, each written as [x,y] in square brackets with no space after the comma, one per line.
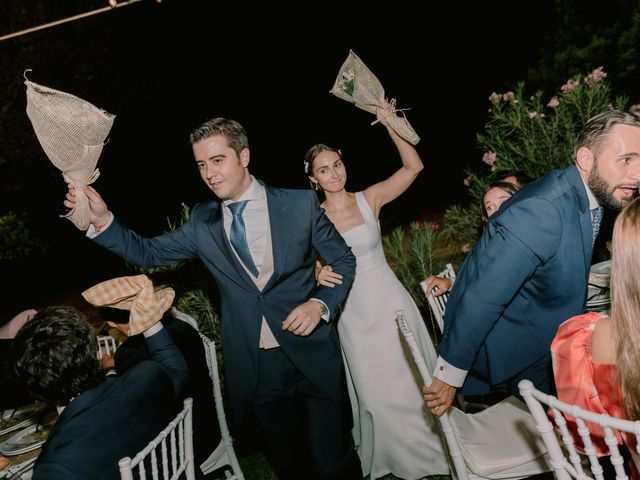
[596,356]
[393,431]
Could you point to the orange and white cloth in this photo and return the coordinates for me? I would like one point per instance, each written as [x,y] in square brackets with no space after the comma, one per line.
[135,293]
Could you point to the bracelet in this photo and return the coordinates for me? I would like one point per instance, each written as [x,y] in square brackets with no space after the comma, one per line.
[101,226]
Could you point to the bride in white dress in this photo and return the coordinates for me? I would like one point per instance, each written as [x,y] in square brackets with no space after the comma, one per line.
[393,430]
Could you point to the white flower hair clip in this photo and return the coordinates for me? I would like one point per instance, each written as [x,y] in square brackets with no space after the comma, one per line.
[306,167]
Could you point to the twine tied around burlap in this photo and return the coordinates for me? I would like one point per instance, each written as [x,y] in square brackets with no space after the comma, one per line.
[72,133]
[355,83]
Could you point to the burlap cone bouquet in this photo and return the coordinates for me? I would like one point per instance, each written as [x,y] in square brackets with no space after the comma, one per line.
[355,83]
[71,132]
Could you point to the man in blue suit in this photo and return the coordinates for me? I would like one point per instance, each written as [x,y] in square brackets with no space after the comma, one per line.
[528,272]
[282,355]
[105,418]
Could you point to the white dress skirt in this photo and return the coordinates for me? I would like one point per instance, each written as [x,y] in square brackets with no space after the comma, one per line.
[394,431]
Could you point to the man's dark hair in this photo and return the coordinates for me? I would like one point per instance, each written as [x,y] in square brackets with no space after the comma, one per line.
[521,178]
[54,354]
[596,131]
[231,130]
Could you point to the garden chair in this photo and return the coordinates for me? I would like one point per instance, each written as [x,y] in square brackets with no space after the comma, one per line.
[499,442]
[107,345]
[168,455]
[224,454]
[438,304]
[566,459]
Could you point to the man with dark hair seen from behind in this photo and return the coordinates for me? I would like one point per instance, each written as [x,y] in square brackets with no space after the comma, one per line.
[528,272]
[105,418]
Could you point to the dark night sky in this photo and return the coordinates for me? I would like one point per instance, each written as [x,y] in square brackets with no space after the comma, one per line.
[165,68]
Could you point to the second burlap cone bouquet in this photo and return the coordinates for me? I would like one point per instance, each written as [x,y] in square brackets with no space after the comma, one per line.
[355,83]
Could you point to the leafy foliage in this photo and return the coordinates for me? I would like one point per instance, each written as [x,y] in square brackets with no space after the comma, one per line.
[584,35]
[16,240]
[412,255]
[197,304]
[532,135]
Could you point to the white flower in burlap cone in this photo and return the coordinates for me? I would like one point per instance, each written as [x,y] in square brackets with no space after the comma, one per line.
[71,132]
[355,83]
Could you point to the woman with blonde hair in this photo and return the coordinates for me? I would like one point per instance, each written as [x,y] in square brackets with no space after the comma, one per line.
[596,355]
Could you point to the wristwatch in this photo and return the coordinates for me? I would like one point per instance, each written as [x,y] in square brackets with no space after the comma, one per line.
[325,310]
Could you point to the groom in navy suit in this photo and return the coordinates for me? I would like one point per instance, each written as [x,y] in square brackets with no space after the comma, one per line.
[528,272]
[282,355]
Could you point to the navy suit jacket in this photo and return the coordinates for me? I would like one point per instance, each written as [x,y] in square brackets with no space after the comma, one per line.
[526,275]
[299,231]
[116,419]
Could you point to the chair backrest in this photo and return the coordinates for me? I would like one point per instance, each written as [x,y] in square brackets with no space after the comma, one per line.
[224,454]
[567,459]
[107,345]
[168,455]
[438,304]
[497,443]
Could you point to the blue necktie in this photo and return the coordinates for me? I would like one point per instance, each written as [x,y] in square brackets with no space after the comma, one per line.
[596,220]
[238,236]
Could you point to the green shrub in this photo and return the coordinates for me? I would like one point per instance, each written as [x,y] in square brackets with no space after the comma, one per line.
[531,134]
[411,253]
[16,240]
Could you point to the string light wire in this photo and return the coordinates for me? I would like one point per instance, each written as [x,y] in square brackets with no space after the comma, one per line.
[112,5]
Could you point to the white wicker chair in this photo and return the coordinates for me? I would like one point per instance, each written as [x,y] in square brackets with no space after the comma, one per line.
[170,453]
[438,304]
[567,461]
[224,453]
[107,345]
[497,443]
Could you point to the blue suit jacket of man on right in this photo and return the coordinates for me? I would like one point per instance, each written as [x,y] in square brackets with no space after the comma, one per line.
[526,275]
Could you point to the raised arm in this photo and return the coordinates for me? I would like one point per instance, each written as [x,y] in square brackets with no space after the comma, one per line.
[164,351]
[387,190]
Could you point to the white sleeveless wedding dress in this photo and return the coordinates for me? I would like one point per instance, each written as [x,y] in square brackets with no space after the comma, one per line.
[393,430]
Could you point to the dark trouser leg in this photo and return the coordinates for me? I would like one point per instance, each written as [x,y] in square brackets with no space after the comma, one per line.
[308,434]
[541,375]
[329,430]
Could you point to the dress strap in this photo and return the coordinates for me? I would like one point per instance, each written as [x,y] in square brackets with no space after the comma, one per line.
[365,209]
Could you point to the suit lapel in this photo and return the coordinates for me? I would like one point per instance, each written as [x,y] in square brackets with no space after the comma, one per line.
[582,200]
[277,204]
[226,261]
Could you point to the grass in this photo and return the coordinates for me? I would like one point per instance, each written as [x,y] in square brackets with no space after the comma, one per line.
[256,467]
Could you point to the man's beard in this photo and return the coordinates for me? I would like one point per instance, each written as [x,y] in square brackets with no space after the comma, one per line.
[603,191]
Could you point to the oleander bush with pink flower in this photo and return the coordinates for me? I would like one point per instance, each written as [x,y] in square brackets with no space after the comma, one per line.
[532,134]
